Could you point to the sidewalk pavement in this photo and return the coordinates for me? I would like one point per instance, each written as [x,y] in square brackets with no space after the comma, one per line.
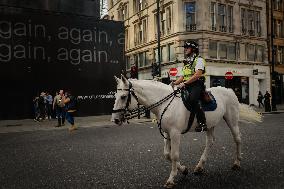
[279,107]
[8,126]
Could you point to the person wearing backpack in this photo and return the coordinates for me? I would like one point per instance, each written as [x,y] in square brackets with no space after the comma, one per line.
[59,106]
[70,102]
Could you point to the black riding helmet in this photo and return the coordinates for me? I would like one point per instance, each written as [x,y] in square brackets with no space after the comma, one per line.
[191,44]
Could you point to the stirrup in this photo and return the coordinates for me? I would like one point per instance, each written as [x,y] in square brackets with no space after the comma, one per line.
[201,128]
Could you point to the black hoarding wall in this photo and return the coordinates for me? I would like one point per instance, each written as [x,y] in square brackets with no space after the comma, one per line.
[78,7]
[45,52]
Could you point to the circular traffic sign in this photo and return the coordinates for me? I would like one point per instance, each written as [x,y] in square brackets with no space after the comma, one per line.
[173,72]
[228,75]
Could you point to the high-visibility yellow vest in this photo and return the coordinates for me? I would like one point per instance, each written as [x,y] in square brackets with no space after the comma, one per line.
[189,70]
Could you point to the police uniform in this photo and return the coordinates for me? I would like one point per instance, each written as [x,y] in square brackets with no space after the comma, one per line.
[196,88]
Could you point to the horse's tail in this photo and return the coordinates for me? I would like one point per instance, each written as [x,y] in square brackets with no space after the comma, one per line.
[247,113]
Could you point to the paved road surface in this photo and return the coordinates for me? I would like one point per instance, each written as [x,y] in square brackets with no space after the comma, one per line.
[131,157]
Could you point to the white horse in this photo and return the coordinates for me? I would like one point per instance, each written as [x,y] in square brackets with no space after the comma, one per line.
[175,119]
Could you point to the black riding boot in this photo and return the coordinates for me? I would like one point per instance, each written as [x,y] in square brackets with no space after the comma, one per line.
[200,115]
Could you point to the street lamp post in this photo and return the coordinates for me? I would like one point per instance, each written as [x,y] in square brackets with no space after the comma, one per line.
[159,36]
[273,88]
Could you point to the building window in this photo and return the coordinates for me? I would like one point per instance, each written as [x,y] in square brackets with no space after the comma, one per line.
[141,59]
[140,32]
[257,23]
[278,5]
[171,52]
[140,29]
[251,22]
[250,52]
[144,32]
[121,13]
[281,59]
[165,54]
[259,53]
[282,30]
[280,54]
[231,48]
[169,19]
[136,59]
[222,17]
[190,16]
[213,16]
[139,5]
[147,58]
[244,21]
[230,19]
[212,49]
[126,39]
[222,50]
[163,23]
[242,51]
[127,62]
[279,29]
[126,11]
[156,55]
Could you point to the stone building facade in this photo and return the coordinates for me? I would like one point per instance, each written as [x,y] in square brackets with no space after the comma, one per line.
[278,44]
[232,36]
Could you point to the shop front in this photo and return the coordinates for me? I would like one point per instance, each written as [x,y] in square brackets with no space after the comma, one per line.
[239,84]
[245,80]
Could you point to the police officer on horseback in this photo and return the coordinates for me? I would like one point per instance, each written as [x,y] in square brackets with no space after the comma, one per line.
[193,80]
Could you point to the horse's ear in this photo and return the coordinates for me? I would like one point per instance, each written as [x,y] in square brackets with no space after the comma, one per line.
[123,78]
[116,79]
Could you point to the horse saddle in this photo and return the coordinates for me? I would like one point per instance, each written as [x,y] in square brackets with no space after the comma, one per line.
[207,102]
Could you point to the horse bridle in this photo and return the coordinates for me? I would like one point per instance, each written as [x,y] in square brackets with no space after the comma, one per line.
[137,110]
[130,92]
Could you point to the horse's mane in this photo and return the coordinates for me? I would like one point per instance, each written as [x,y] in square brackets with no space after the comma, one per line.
[153,84]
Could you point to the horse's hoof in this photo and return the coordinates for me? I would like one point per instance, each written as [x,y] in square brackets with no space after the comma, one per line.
[198,171]
[236,167]
[169,185]
[185,171]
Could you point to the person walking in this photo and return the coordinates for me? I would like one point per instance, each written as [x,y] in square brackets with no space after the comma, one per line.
[41,106]
[267,105]
[70,102]
[49,103]
[58,105]
[193,81]
[36,108]
[259,99]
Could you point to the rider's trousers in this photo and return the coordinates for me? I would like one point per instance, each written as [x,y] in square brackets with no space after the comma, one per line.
[196,90]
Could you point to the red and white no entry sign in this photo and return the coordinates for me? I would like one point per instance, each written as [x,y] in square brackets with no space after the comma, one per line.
[228,75]
[173,72]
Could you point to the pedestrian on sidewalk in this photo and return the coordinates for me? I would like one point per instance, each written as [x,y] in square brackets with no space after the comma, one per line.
[41,105]
[267,105]
[59,106]
[49,101]
[70,102]
[36,108]
[259,99]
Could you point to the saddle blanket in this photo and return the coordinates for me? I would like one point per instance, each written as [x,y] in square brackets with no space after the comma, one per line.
[206,106]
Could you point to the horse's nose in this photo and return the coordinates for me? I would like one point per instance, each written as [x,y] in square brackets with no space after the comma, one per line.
[116,121]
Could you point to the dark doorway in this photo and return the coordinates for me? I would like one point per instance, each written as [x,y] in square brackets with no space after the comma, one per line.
[240,86]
